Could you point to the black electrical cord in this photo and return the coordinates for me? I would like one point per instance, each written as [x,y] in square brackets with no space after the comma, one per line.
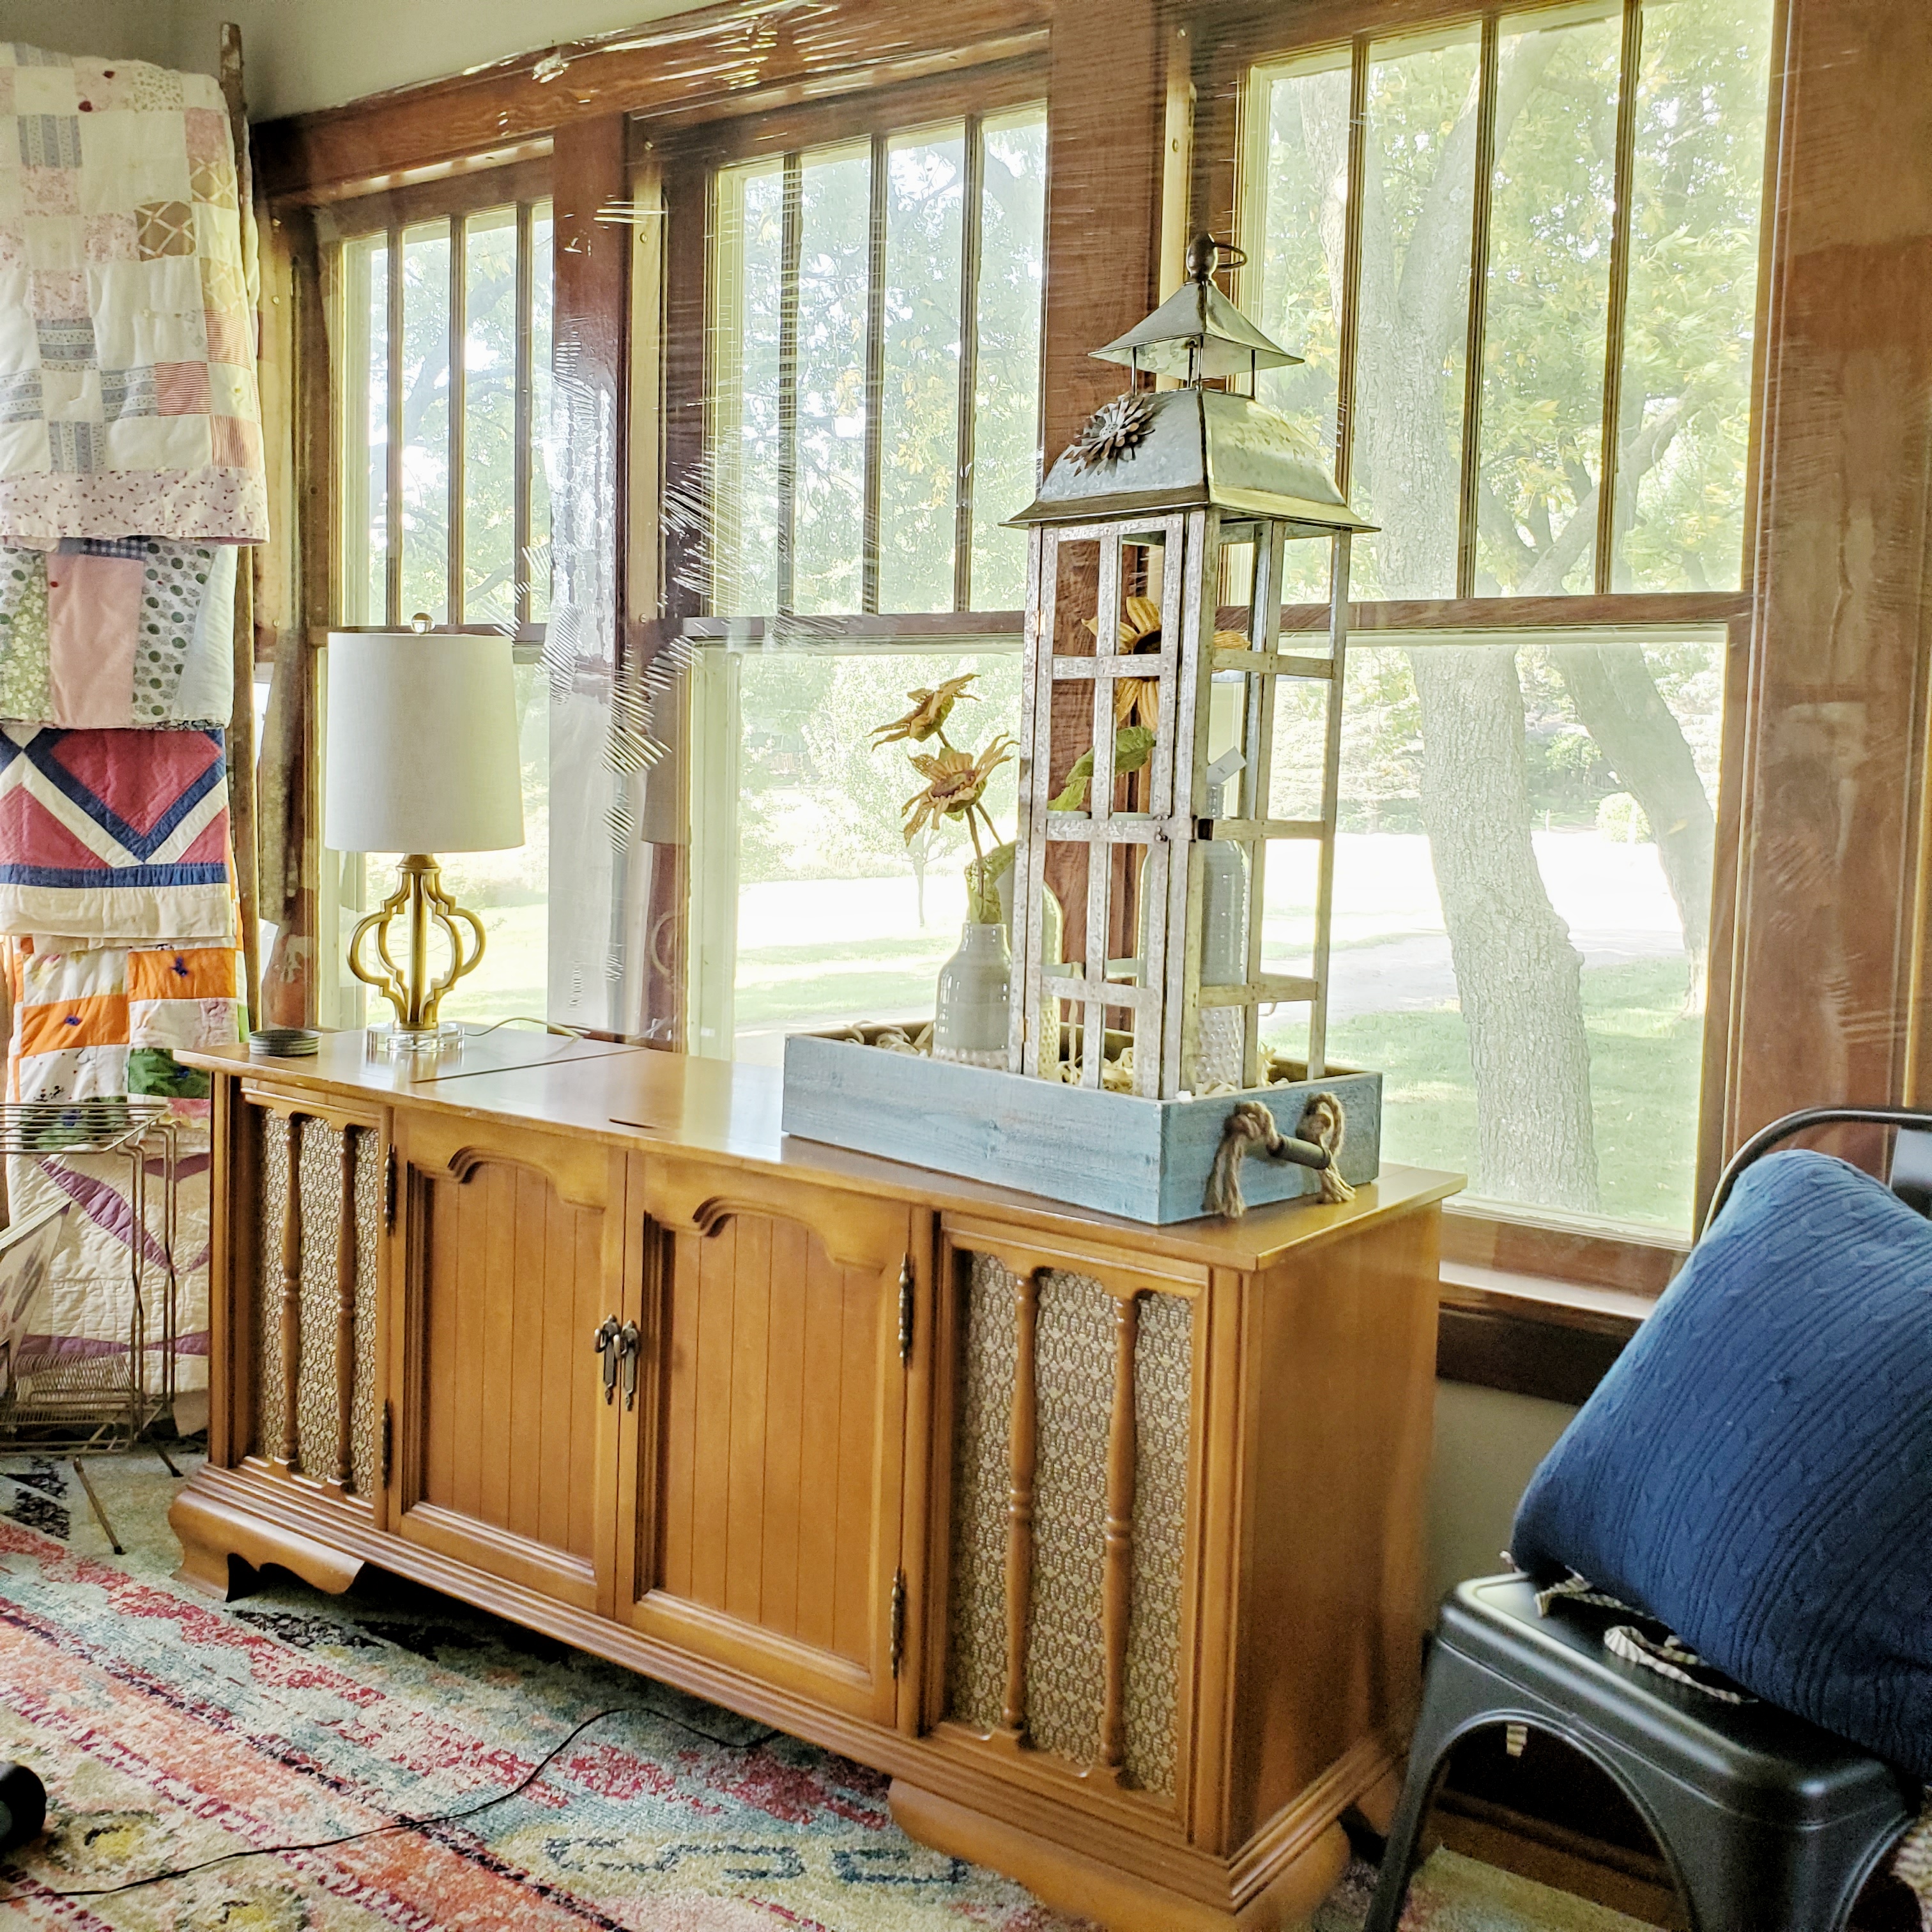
[347,1837]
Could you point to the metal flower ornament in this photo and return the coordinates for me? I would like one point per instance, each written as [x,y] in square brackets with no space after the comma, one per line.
[955,787]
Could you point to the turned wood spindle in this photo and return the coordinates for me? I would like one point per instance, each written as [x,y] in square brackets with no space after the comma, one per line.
[1019,1500]
[345,1315]
[291,1309]
[1116,1584]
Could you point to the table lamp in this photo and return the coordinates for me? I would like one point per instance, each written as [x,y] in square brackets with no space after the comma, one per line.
[421,759]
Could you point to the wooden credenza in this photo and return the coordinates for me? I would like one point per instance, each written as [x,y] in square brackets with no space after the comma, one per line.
[1104,1541]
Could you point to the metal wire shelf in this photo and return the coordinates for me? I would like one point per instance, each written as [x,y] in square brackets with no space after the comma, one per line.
[104,1395]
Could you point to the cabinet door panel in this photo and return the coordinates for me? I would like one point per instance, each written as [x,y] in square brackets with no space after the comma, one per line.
[770,1537]
[515,1244]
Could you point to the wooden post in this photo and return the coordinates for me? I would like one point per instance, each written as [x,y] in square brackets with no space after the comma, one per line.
[1116,1584]
[240,735]
[1019,1500]
[291,1301]
[345,1315]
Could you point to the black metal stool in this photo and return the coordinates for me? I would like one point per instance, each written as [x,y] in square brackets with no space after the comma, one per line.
[1767,1823]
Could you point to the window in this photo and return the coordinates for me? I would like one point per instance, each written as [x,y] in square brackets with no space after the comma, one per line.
[441,325]
[1520,257]
[873,403]
[872,418]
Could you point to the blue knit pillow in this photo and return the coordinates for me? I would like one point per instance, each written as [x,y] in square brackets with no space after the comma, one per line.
[1756,1471]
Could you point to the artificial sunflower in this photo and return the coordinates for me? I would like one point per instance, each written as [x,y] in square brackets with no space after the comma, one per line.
[955,783]
[1137,700]
[927,718]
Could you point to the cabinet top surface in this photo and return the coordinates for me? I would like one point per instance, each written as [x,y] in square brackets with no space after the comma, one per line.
[646,1100]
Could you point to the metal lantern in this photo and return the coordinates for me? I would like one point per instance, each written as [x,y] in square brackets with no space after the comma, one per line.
[1162,484]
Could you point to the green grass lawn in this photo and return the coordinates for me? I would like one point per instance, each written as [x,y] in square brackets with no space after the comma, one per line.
[1644,1054]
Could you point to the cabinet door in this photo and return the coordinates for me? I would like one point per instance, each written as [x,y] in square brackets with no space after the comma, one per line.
[512,1244]
[768,1448]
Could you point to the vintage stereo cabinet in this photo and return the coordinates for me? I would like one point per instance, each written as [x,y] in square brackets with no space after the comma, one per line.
[1103,1540]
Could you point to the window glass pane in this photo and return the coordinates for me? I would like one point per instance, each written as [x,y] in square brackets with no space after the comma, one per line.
[1695,202]
[364,518]
[424,377]
[1551,207]
[1603,765]
[837,918]
[925,192]
[1005,389]
[1299,256]
[834,231]
[490,417]
[744,355]
[1417,211]
[544,447]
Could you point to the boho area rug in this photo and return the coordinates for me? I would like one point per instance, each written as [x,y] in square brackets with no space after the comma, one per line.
[171,1731]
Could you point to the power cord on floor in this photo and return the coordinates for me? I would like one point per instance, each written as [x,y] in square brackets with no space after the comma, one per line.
[409,1824]
[347,1837]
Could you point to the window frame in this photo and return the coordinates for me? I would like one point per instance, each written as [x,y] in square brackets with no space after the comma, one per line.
[690,161]
[1237,42]
[341,1000]
[523,185]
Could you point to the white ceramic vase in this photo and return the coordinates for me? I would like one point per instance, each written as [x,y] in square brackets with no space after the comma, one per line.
[970,1022]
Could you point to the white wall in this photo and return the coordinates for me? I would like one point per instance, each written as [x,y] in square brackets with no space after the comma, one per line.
[123,29]
[299,54]
[1487,1446]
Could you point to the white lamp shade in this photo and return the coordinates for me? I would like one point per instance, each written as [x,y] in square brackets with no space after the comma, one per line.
[422,744]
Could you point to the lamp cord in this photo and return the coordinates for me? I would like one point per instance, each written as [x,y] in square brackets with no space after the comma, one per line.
[395,1825]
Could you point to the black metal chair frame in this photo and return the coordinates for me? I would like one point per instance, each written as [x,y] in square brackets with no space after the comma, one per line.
[1467,1692]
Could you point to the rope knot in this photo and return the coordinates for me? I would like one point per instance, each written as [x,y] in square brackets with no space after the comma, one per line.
[1316,1143]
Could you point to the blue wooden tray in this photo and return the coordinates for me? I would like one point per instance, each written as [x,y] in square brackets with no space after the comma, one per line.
[1145,1160]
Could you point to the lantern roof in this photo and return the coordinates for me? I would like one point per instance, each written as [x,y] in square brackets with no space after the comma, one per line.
[1196,332]
[1153,451]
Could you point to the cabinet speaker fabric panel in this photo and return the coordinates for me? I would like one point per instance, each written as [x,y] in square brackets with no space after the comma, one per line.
[319,1201]
[1064,1659]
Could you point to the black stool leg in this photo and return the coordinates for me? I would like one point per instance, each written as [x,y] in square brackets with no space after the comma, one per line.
[1455,1694]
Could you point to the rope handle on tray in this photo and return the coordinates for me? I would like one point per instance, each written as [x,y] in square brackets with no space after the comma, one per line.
[1316,1142]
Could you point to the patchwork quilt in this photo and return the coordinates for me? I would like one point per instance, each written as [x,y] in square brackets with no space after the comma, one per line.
[104,1022]
[109,836]
[135,633]
[127,397]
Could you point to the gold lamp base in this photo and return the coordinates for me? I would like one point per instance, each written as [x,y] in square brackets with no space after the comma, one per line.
[420,900]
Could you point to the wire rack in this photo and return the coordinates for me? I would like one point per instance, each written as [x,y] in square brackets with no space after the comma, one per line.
[103,1394]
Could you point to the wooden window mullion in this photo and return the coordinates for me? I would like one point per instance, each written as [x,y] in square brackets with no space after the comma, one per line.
[875,374]
[392,493]
[790,240]
[1351,263]
[1479,302]
[456,479]
[520,511]
[969,361]
[1627,63]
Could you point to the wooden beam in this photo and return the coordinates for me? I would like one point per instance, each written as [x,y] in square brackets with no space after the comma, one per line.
[734,58]
[1827,999]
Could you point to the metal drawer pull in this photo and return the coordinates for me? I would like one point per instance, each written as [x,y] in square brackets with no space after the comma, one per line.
[604,1340]
[629,1343]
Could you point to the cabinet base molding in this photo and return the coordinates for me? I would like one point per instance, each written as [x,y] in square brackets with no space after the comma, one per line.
[1117,1899]
[215,1538]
